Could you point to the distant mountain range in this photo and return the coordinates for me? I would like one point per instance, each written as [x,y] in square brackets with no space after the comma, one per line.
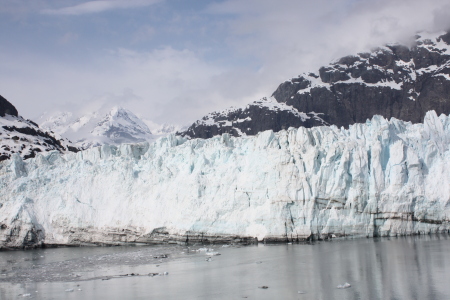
[391,81]
[64,131]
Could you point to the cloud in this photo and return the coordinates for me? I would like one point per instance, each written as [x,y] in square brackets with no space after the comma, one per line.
[249,48]
[291,37]
[163,85]
[98,6]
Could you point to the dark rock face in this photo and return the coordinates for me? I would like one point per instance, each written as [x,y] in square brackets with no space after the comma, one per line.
[7,108]
[256,117]
[392,81]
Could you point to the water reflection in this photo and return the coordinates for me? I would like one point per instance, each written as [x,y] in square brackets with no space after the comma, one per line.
[385,268]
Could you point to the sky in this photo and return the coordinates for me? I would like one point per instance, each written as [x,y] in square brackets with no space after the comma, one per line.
[173,61]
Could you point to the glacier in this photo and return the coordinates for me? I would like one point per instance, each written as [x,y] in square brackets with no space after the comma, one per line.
[380,178]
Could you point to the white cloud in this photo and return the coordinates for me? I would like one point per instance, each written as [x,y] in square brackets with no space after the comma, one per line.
[98,6]
[291,37]
[281,39]
[164,85]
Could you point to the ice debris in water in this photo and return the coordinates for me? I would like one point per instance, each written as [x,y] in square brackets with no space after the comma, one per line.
[205,249]
[344,286]
[26,295]
[69,290]
[212,253]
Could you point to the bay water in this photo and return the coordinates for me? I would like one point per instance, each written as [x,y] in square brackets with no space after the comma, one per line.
[415,267]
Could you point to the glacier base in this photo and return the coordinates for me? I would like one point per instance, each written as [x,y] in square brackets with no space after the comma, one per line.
[381,178]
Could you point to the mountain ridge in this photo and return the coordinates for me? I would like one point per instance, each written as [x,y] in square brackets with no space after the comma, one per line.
[391,81]
[24,137]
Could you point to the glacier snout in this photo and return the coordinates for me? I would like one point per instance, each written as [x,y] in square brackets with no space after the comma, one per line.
[381,178]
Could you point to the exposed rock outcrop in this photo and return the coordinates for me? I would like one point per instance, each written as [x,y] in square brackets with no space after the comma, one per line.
[7,108]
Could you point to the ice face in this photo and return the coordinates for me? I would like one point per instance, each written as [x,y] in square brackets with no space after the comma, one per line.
[381,178]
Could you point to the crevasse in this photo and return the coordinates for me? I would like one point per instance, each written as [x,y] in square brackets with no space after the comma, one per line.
[381,178]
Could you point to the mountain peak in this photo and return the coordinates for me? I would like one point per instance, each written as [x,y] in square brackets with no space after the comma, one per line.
[114,126]
[7,108]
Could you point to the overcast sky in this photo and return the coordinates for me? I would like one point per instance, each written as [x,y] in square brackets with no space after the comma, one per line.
[175,60]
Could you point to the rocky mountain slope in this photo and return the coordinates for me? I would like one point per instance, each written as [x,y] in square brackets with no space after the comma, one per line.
[391,81]
[116,126]
[24,137]
[381,178]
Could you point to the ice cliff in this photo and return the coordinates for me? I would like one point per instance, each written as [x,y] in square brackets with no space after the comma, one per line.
[381,178]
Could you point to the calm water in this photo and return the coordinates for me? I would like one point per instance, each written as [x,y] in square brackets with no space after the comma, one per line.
[388,268]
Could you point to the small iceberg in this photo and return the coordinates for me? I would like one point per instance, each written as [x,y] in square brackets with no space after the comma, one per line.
[344,286]
[205,250]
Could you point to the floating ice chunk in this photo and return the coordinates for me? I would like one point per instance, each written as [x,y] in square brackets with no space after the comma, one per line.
[212,253]
[205,249]
[344,286]
[69,290]
[26,295]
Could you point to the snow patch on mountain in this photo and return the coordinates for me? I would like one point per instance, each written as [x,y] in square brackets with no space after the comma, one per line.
[25,138]
[238,120]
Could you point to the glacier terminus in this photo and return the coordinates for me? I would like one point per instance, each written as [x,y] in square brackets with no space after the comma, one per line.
[380,178]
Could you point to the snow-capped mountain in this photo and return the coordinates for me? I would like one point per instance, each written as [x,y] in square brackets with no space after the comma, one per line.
[391,81]
[24,137]
[381,178]
[114,127]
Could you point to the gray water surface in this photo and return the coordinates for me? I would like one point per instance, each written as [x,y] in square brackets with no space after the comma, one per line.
[387,268]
